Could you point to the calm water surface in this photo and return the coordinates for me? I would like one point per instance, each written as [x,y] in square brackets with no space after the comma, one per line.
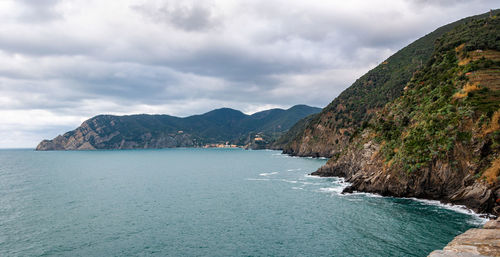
[202,202]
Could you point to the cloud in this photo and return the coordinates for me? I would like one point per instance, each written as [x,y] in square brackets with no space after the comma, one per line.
[64,61]
[39,11]
[187,15]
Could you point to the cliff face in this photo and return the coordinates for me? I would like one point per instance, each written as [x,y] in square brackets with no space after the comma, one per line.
[329,132]
[163,131]
[93,134]
[441,138]
[368,171]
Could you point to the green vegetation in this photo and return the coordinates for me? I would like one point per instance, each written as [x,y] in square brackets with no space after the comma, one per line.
[445,104]
[294,131]
[371,92]
[385,82]
[214,127]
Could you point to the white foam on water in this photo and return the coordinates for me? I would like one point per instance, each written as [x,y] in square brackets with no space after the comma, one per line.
[294,169]
[257,179]
[268,174]
[336,190]
[365,194]
[311,176]
[298,188]
[290,181]
[478,218]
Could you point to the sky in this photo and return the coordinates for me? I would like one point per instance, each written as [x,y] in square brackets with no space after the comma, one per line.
[62,62]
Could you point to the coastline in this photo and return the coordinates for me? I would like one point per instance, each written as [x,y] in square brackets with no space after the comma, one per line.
[484,217]
[474,242]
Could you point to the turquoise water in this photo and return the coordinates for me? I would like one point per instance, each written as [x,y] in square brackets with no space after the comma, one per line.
[202,202]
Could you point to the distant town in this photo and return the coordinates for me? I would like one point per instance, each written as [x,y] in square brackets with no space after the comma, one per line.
[257,139]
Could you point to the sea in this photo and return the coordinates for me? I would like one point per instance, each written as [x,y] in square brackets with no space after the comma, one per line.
[204,202]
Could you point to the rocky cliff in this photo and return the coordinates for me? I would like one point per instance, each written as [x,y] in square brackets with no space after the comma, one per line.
[328,133]
[163,131]
[441,138]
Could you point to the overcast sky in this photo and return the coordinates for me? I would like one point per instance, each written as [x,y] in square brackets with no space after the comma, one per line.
[62,62]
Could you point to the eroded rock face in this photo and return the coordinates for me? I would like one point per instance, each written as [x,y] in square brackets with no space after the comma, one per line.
[474,242]
[318,141]
[365,169]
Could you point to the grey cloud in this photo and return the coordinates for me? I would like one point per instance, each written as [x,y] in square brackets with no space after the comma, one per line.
[36,11]
[439,2]
[197,17]
[184,58]
[237,65]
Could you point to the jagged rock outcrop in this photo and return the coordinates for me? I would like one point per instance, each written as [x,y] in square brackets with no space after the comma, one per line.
[366,169]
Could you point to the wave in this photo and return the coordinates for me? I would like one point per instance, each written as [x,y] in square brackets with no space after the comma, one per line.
[312,176]
[337,190]
[268,174]
[479,218]
[365,194]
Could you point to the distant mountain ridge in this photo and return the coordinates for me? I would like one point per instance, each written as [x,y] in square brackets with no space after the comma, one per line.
[218,126]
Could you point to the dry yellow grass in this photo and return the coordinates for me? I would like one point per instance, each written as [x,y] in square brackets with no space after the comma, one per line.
[460,53]
[459,48]
[494,124]
[466,90]
[491,174]
[387,165]
[459,95]
[463,61]
[471,87]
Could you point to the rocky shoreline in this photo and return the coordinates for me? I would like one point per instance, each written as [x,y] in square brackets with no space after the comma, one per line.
[474,242]
[364,167]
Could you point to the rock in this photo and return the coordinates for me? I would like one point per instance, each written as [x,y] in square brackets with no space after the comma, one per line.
[477,241]
[492,224]
[441,253]
[474,242]
[348,190]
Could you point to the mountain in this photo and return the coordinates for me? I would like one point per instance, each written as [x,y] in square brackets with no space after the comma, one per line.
[329,132]
[162,131]
[440,139]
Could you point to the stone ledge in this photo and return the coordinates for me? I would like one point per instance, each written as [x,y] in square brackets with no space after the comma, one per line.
[474,242]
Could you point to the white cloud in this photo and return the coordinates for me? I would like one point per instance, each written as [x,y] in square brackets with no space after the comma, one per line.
[62,61]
